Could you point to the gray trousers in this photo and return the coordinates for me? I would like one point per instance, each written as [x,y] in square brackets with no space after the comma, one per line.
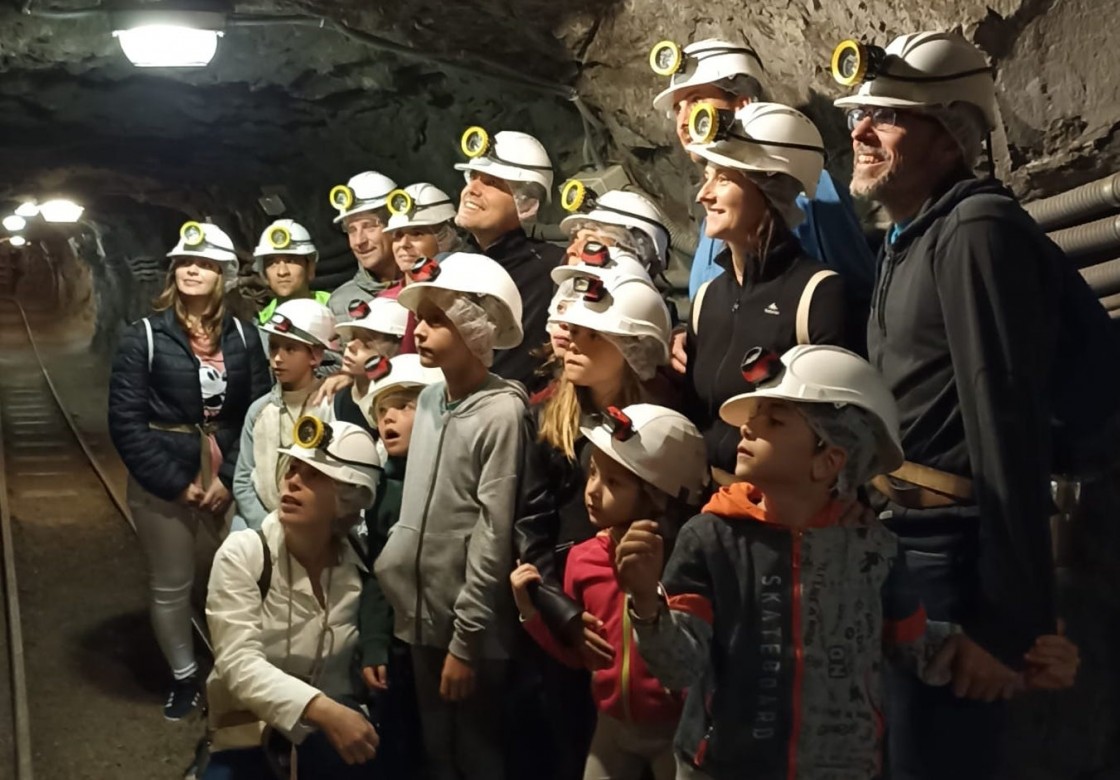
[624,751]
[463,740]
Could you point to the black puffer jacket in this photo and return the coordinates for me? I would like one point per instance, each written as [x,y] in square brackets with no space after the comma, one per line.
[164,463]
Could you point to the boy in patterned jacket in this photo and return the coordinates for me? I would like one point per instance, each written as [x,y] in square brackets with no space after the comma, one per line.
[782,600]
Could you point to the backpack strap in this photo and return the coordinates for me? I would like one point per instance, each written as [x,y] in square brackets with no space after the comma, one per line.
[151,342]
[801,326]
[265,580]
[241,332]
[697,302]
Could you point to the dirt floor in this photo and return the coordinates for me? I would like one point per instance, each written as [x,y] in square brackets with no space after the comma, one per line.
[95,675]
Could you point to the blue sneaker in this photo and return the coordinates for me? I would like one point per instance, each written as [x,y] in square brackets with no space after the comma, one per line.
[183,698]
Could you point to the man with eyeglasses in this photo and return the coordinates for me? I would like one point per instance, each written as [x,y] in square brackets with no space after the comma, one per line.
[962,327]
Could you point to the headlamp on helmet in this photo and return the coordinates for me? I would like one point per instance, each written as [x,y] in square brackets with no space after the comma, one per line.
[400,203]
[358,309]
[342,197]
[192,234]
[590,287]
[475,142]
[761,367]
[426,269]
[619,423]
[666,58]
[280,237]
[377,368]
[575,196]
[595,254]
[854,62]
[310,433]
[707,124]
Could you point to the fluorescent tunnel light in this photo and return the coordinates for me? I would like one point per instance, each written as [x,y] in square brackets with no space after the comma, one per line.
[18,241]
[14,223]
[61,211]
[168,38]
[27,209]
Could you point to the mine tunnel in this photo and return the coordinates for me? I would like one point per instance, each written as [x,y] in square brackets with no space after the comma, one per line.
[300,96]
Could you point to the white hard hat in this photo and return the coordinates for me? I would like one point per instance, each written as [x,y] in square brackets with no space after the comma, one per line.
[627,209]
[760,137]
[401,373]
[479,277]
[379,315]
[343,451]
[367,191]
[660,446]
[511,156]
[284,237]
[703,62]
[596,257]
[618,304]
[419,205]
[823,374]
[206,240]
[922,69]
[303,319]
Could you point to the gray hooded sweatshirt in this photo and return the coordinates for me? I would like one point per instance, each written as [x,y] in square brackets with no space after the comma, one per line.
[445,567]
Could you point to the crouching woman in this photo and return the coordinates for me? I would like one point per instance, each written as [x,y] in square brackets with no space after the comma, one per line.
[283,615]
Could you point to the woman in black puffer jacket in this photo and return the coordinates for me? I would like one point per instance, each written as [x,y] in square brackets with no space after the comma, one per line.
[182,382]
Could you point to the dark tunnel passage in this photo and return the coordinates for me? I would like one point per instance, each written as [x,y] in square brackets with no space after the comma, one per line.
[303,94]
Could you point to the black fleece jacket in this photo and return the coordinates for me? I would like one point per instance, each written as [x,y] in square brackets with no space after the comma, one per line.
[963,327]
[164,463]
[760,312]
[530,263]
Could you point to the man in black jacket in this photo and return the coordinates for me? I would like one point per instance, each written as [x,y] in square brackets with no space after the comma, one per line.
[962,327]
[506,183]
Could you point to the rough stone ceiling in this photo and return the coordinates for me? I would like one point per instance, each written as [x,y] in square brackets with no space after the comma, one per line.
[303,107]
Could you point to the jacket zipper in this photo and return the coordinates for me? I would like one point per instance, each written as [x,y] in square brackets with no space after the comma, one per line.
[891,259]
[624,680]
[423,528]
[723,361]
[798,655]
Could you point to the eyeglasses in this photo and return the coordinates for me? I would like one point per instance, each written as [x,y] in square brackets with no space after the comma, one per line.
[881,116]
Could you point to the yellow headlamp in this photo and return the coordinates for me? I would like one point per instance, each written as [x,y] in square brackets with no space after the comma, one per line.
[707,123]
[400,203]
[280,237]
[854,62]
[342,197]
[666,58]
[475,142]
[310,432]
[192,234]
[574,195]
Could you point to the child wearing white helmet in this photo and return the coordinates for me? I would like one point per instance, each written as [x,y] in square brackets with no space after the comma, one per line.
[385,660]
[622,218]
[298,334]
[507,178]
[779,601]
[647,463]
[283,647]
[774,295]
[285,258]
[361,204]
[729,75]
[376,329]
[444,567]
[181,383]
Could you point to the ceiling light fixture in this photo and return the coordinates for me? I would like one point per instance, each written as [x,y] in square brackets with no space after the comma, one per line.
[169,39]
[27,209]
[14,223]
[18,241]
[61,211]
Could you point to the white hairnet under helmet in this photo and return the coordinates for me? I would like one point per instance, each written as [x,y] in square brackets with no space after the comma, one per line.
[761,138]
[627,309]
[926,69]
[404,372]
[366,191]
[210,242]
[833,378]
[304,320]
[284,237]
[419,205]
[657,445]
[632,211]
[479,279]
[711,61]
[343,451]
[378,315]
[510,155]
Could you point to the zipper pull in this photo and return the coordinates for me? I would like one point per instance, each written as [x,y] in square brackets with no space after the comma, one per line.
[735,307]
